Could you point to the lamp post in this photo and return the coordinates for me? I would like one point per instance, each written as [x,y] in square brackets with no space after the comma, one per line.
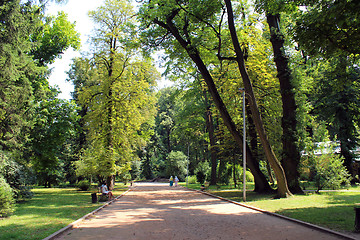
[242,90]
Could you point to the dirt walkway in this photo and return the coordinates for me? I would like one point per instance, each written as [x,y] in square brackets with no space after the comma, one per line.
[156,211]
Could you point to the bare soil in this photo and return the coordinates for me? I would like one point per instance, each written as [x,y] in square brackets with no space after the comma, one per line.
[156,211]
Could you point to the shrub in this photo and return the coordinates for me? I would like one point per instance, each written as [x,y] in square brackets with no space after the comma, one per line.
[17,176]
[200,176]
[83,185]
[248,175]
[202,171]
[126,178]
[192,179]
[330,172]
[6,198]
[176,164]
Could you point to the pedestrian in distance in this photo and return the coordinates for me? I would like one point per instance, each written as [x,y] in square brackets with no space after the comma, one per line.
[171,181]
[176,181]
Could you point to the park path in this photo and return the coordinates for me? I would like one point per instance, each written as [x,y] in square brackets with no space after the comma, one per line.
[153,211]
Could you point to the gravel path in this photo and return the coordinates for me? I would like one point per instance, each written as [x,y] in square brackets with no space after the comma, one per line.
[156,211]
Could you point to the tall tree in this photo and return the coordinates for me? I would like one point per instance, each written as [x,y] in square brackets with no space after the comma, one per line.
[336,102]
[54,126]
[283,190]
[290,157]
[327,26]
[23,83]
[17,69]
[121,99]
[328,32]
[171,20]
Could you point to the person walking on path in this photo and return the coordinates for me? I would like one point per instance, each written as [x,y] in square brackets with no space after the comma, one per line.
[176,181]
[171,181]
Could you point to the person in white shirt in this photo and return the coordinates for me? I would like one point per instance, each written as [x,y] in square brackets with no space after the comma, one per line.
[176,181]
[105,191]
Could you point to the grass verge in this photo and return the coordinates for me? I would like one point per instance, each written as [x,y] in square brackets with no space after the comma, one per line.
[330,209]
[48,211]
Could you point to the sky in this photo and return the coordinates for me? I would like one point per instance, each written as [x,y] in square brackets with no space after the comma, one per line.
[77,11]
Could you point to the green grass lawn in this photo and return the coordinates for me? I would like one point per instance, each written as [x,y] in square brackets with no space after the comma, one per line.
[334,210]
[48,211]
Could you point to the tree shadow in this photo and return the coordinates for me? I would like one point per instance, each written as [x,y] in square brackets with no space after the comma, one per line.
[178,214]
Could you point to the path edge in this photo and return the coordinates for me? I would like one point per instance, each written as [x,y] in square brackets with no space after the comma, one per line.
[310,225]
[71,225]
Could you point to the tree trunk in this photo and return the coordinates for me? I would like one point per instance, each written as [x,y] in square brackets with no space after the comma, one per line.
[251,129]
[109,111]
[110,182]
[291,155]
[260,179]
[283,190]
[210,128]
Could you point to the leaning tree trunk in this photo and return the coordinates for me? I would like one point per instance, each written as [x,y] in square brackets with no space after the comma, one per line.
[260,179]
[213,155]
[254,140]
[283,190]
[291,155]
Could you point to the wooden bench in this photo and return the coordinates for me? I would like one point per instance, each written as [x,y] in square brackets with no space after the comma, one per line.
[101,196]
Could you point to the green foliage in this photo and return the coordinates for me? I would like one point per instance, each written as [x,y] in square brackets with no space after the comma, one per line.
[202,171]
[336,101]
[328,27]
[57,34]
[17,176]
[19,74]
[54,126]
[95,162]
[192,179]
[126,178]
[135,171]
[176,163]
[248,176]
[6,198]
[115,92]
[83,185]
[329,172]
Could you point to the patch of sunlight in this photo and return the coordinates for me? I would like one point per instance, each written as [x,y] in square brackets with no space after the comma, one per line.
[221,208]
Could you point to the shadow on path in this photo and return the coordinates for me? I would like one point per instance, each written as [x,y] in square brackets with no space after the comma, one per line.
[156,211]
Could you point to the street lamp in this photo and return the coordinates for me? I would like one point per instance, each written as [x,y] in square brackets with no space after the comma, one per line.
[242,90]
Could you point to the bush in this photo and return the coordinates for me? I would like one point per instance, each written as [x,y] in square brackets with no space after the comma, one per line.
[176,164]
[17,176]
[6,198]
[330,172]
[192,179]
[200,176]
[83,185]
[126,178]
[248,175]
[202,171]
